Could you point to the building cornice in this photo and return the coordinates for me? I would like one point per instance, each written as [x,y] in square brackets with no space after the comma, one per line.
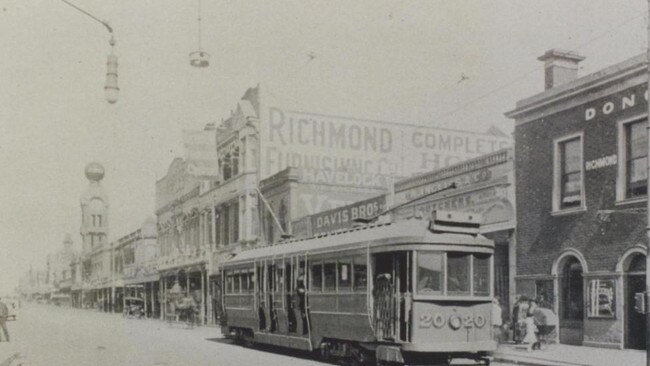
[614,78]
[498,157]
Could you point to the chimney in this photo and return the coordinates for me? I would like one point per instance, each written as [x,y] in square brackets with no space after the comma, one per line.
[560,67]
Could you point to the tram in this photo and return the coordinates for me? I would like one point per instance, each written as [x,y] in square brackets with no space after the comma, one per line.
[411,292]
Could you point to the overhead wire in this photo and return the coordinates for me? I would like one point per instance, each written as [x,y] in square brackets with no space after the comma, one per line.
[503,86]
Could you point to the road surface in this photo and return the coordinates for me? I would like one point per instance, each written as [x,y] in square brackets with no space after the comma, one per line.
[50,335]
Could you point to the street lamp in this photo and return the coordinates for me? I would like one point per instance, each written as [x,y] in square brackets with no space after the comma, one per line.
[111,90]
[199,58]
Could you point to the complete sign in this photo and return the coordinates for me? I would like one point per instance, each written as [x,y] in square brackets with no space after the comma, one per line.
[340,150]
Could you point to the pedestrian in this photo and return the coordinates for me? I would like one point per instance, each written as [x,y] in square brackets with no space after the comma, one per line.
[497,319]
[300,290]
[4,314]
[530,339]
[515,319]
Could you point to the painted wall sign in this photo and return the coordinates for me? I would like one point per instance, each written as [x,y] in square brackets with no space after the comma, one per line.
[342,217]
[617,102]
[341,150]
[605,161]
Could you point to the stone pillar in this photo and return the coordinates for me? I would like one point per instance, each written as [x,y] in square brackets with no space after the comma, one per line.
[144,300]
[112,299]
[153,299]
[162,293]
[512,269]
[213,223]
[203,274]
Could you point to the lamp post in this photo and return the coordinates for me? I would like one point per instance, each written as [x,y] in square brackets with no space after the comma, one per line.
[111,90]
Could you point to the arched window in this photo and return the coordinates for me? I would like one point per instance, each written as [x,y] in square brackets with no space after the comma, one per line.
[637,264]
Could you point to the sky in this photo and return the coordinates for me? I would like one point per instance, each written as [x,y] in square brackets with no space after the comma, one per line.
[453,64]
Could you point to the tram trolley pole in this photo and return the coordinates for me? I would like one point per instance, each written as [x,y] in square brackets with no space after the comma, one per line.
[647,258]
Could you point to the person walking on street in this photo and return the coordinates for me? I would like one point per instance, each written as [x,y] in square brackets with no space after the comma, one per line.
[4,314]
[497,319]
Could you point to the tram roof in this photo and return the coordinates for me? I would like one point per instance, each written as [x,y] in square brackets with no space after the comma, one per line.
[412,231]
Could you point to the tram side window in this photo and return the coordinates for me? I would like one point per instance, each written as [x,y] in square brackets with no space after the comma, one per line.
[329,272]
[236,279]
[251,281]
[317,277]
[458,265]
[482,274]
[229,281]
[430,273]
[360,274]
[244,282]
[345,276]
[279,278]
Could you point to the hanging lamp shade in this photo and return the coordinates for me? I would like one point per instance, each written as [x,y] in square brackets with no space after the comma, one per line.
[200,59]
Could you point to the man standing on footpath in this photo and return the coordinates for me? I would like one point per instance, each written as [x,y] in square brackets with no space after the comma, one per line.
[4,314]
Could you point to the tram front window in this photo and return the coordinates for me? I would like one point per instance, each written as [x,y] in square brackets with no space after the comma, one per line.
[429,273]
[458,273]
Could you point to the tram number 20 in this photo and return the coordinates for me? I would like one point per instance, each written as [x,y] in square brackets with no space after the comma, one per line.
[455,321]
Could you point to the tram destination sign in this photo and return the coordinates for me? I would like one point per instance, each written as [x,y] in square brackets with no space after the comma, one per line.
[342,217]
[358,152]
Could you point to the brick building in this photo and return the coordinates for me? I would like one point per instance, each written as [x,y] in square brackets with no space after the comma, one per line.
[581,187]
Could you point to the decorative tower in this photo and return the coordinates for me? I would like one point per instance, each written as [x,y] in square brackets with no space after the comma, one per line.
[94,211]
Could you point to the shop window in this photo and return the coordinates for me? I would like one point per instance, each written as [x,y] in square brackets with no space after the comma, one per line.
[568,185]
[544,293]
[329,274]
[481,273]
[430,273]
[360,274]
[344,276]
[317,277]
[458,269]
[601,298]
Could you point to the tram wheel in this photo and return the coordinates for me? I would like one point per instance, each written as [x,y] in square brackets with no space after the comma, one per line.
[325,352]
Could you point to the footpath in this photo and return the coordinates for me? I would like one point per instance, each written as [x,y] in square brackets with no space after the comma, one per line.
[564,355]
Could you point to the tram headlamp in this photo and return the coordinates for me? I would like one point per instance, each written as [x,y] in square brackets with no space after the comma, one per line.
[455,323]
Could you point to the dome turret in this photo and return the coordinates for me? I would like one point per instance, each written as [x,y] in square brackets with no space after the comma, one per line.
[94,171]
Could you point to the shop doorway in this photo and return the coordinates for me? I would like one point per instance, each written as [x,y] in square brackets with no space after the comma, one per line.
[635,323]
[571,302]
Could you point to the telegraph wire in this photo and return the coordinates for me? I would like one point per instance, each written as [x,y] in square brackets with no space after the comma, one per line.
[444,116]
